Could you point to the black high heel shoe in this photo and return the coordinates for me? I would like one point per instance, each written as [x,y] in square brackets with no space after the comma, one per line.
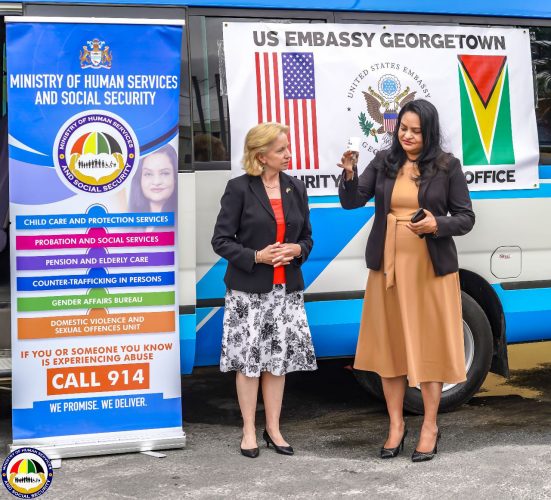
[419,456]
[393,452]
[282,450]
[250,453]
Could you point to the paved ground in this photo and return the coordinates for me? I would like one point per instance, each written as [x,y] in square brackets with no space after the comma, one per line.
[494,447]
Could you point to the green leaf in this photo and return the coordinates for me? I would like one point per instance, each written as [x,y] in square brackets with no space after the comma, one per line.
[364,124]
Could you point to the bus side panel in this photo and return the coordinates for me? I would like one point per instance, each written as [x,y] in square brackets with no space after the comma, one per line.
[334,323]
[186,269]
[515,219]
[187,325]
[210,287]
[527,313]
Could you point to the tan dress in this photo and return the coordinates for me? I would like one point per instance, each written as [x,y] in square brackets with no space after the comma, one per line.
[411,320]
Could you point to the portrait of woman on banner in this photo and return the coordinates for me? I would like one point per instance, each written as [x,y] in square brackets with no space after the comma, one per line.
[154,186]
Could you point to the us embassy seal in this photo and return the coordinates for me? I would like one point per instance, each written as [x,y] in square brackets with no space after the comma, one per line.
[95,151]
[376,96]
[27,473]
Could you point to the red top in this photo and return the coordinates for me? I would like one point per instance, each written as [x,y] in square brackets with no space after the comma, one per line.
[277,207]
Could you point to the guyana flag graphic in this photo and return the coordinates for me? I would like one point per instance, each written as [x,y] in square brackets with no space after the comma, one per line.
[485,110]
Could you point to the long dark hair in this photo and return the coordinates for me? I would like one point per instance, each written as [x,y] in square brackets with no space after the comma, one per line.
[138,202]
[432,157]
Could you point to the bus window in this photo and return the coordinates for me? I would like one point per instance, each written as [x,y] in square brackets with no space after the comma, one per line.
[541,59]
[211,129]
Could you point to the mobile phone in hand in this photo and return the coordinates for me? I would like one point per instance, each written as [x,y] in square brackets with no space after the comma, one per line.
[418,216]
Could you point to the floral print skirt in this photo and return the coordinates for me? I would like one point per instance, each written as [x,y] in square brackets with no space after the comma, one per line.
[266,332]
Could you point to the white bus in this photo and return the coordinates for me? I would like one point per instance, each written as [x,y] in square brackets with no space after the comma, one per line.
[505,262]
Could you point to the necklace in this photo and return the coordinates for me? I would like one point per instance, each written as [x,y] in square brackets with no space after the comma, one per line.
[270,187]
[413,170]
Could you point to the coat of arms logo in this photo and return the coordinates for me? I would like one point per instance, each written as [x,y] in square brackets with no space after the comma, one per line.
[95,54]
[383,106]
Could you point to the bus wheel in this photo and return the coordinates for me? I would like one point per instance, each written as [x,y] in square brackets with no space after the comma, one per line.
[478,342]
[371,383]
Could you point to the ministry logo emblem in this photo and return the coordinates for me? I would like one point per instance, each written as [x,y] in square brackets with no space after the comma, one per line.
[95,55]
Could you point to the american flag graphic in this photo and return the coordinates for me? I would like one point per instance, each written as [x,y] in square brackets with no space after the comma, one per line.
[286,93]
[391,118]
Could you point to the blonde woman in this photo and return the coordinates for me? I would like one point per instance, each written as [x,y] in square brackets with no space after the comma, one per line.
[263,231]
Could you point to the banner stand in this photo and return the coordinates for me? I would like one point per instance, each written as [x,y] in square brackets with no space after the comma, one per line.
[93,130]
[125,443]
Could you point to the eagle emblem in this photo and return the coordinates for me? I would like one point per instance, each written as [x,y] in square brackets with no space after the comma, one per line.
[383,106]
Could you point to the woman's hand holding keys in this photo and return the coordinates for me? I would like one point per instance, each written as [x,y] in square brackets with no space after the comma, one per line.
[348,161]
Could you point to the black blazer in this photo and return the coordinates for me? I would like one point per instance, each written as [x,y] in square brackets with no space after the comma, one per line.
[246,223]
[444,193]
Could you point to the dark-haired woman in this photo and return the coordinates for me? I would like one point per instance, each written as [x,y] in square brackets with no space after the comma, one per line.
[411,329]
[153,187]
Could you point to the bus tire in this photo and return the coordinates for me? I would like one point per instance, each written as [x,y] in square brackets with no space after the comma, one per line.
[371,383]
[478,357]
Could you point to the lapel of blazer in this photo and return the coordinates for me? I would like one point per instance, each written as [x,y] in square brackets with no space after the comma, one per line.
[388,187]
[422,191]
[286,193]
[255,183]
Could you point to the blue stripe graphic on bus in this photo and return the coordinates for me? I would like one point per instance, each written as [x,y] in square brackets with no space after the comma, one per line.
[211,285]
[545,171]
[528,326]
[524,300]
[328,243]
[187,342]
[332,230]
[209,339]
[202,313]
[527,313]
[334,326]
[96,278]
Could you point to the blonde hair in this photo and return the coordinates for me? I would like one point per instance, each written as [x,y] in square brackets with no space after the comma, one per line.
[258,141]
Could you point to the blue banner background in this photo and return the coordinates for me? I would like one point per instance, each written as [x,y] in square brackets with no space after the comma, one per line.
[36,48]
[54,48]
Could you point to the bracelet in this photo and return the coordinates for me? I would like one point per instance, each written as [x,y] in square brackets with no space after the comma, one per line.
[255,252]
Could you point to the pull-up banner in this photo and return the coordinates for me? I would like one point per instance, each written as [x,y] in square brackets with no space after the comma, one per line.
[93,128]
[331,82]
